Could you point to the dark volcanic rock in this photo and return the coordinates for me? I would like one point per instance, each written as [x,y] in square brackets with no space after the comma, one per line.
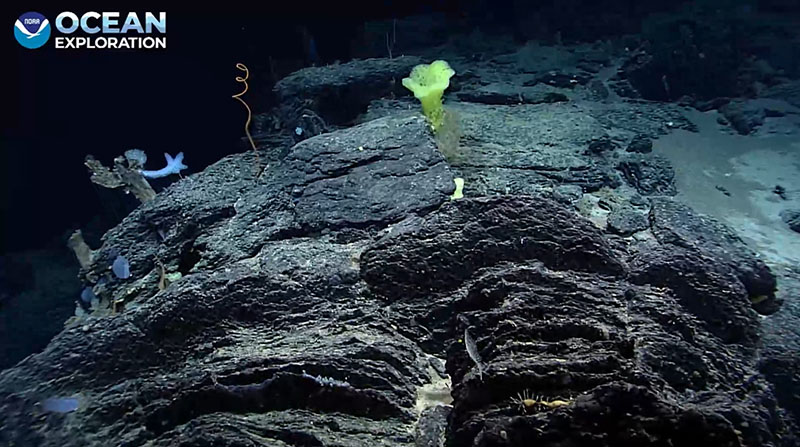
[641,144]
[747,115]
[781,368]
[626,221]
[780,191]
[597,90]
[300,338]
[743,118]
[567,346]
[506,95]
[792,219]
[522,149]
[339,93]
[685,55]
[567,194]
[649,174]
[269,332]
[323,297]
[624,88]
[445,261]
[346,179]
[711,104]
[787,91]
[563,80]
[675,224]
[600,145]
[706,288]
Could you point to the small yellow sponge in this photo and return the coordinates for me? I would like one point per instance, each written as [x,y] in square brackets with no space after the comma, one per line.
[428,82]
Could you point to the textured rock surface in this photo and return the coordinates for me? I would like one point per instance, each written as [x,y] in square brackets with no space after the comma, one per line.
[792,219]
[650,175]
[746,116]
[524,149]
[337,326]
[641,144]
[345,179]
[554,316]
[626,220]
[338,93]
[270,332]
[675,224]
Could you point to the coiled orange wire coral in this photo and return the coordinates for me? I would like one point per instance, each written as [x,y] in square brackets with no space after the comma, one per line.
[238,97]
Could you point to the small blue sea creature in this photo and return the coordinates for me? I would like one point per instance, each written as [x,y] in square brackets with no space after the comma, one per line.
[174,166]
[87,295]
[121,267]
[60,404]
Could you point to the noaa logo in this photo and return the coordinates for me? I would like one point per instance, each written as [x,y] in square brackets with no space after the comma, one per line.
[32,30]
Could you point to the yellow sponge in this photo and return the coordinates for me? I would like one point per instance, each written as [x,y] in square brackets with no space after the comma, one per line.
[428,82]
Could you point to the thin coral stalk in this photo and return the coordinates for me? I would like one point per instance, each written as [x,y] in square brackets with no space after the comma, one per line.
[238,97]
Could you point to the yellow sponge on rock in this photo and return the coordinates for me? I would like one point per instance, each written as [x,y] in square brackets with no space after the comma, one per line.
[428,82]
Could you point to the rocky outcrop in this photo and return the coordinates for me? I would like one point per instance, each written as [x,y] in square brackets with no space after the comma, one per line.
[338,93]
[791,218]
[326,302]
[649,174]
[675,224]
[269,289]
[329,291]
[571,340]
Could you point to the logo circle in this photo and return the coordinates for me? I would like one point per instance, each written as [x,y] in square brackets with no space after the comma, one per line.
[32,30]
